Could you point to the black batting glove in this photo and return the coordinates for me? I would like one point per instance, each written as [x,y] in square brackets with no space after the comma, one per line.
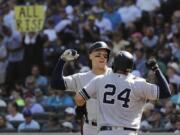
[80,112]
[152,64]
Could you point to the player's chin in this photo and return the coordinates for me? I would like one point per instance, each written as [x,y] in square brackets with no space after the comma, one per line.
[102,65]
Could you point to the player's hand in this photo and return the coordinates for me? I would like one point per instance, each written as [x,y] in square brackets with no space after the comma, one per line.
[80,112]
[152,64]
[69,55]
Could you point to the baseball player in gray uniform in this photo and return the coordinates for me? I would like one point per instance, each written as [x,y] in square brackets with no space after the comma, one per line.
[121,96]
[98,55]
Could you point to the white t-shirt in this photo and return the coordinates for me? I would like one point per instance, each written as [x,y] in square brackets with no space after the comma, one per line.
[148,5]
[104,25]
[17,117]
[61,25]
[129,13]
[51,33]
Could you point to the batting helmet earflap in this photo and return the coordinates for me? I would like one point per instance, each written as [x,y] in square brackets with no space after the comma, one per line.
[98,45]
[123,61]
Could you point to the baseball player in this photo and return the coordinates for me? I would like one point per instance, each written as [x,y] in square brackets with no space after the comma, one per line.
[121,96]
[98,55]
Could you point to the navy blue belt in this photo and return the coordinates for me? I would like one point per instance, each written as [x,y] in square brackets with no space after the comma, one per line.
[113,128]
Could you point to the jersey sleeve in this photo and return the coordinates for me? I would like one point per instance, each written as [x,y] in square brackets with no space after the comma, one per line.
[89,91]
[146,90]
[71,82]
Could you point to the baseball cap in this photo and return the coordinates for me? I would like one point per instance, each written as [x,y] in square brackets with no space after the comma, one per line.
[174,66]
[67,124]
[158,110]
[70,110]
[91,17]
[69,9]
[27,113]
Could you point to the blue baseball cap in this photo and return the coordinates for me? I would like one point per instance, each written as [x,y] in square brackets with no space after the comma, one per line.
[27,112]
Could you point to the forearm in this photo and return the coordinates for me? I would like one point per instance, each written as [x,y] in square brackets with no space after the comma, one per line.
[57,81]
[163,85]
[80,101]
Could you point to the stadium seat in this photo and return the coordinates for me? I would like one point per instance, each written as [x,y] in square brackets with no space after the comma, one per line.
[61,109]
[30,130]
[51,130]
[7,130]
[42,116]
[49,108]
[16,123]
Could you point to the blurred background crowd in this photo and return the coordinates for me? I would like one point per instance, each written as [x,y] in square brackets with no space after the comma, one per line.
[145,28]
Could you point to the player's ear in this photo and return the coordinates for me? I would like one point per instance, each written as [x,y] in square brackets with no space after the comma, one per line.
[90,56]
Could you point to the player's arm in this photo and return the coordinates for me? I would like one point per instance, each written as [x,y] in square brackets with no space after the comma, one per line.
[57,78]
[80,101]
[164,90]
[89,91]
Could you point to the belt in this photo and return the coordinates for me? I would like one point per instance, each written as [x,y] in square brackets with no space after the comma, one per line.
[92,123]
[116,128]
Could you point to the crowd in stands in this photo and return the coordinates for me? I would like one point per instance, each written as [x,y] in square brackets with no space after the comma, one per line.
[146,28]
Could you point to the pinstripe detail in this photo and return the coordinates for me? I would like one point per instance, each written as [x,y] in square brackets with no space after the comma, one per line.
[84,94]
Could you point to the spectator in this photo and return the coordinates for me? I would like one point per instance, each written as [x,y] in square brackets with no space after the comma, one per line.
[70,122]
[150,40]
[129,12]
[156,120]
[29,123]
[40,97]
[4,124]
[13,43]
[33,51]
[8,18]
[69,11]
[175,46]
[103,24]
[168,109]
[40,80]
[149,6]
[34,107]
[175,98]
[136,38]
[49,31]
[63,22]
[119,42]
[14,114]
[2,102]
[172,75]
[53,123]
[91,32]
[147,110]
[30,86]
[113,16]
[67,126]
[60,98]
[177,125]
[15,97]
[140,60]
[3,60]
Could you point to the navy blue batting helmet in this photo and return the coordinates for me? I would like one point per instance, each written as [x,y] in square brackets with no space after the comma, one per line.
[98,45]
[123,61]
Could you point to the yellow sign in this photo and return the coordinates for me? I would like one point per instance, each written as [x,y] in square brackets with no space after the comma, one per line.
[29,18]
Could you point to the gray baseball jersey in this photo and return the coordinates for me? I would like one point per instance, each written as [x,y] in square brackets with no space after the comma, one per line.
[77,81]
[120,98]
